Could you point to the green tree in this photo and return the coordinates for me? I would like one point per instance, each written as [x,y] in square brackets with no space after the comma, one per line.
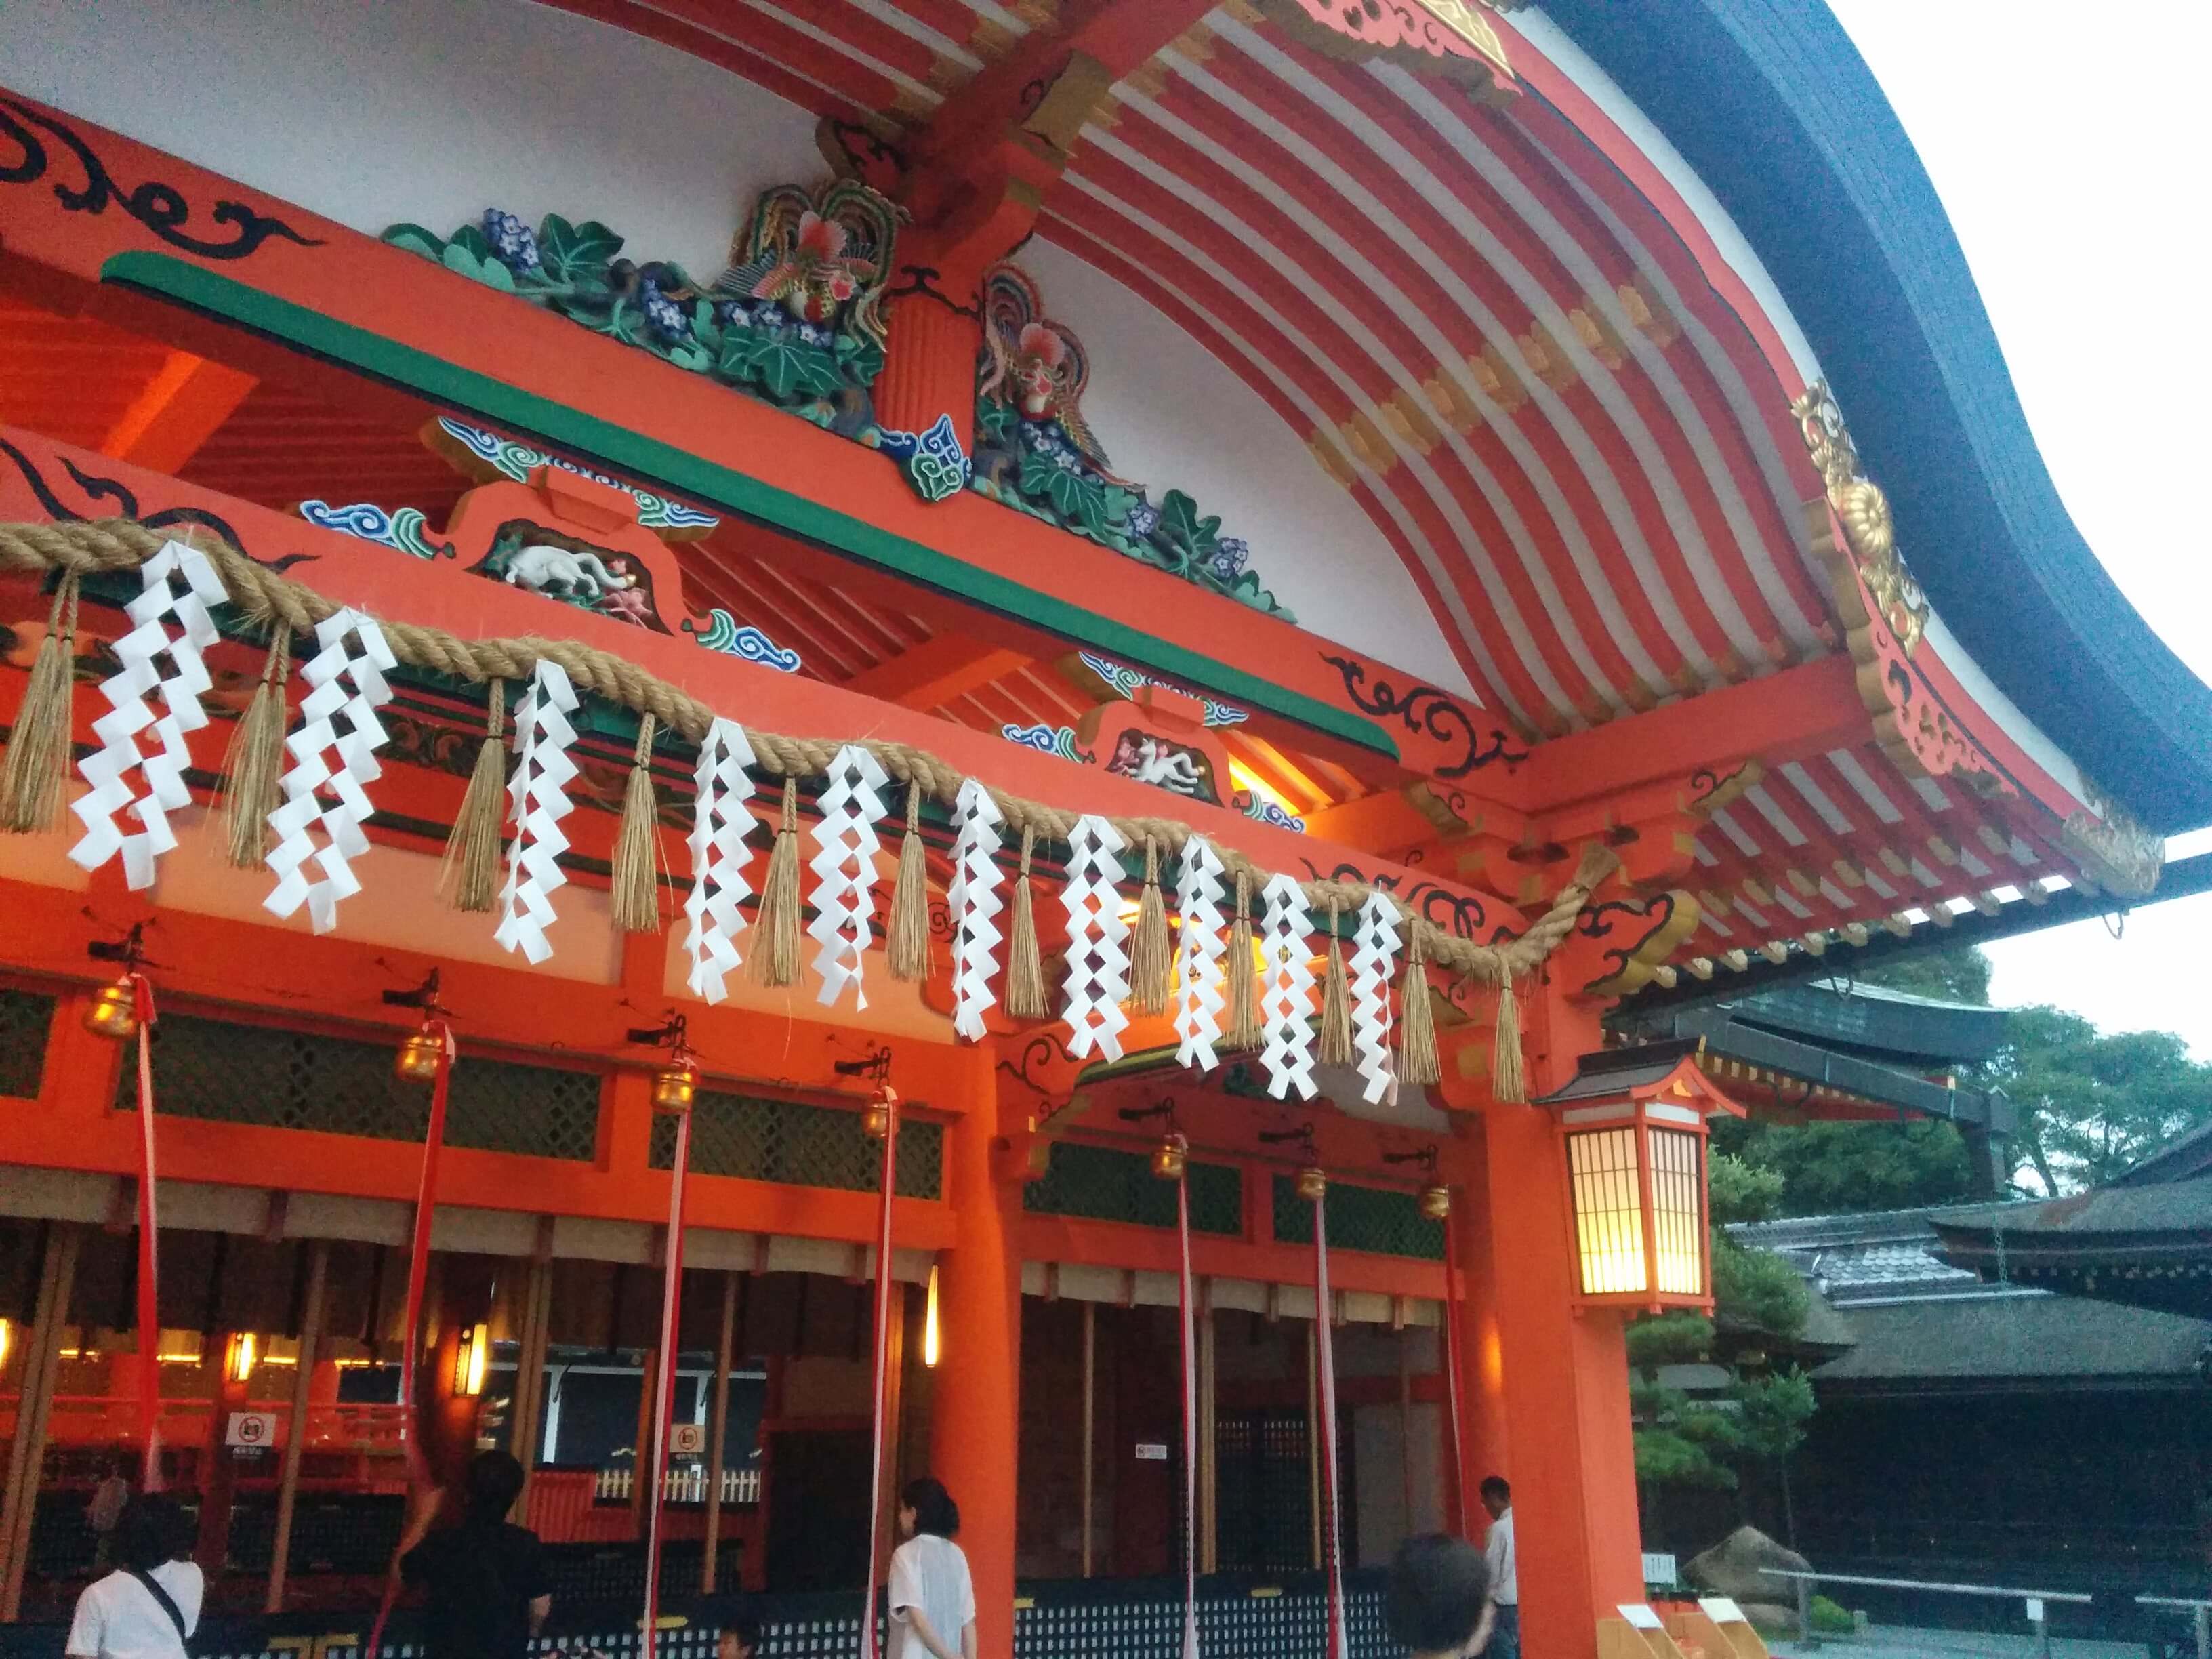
[1961,976]
[1850,1169]
[1711,1441]
[2091,1104]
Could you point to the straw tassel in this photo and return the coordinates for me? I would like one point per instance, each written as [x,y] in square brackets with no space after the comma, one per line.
[255,762]
[1151,957]
[1335,997]
[32,780]
[1243,1027]
[1417,1021]
[472,851]
[1025,963]
[775,964]
[634,891]
[907,937]
[1507,1080]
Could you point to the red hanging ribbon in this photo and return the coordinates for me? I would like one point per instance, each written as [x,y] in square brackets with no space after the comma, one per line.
[149,1278]
[1190,1460]
[671,1296]
[882,1361]
[1325,1376]
[418,1268]
[1455,1488]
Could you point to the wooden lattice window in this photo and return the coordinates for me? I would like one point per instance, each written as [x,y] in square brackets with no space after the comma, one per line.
[25,1018]
[801,1146]
[1100,1183]
[284,1079]
[1373,1218]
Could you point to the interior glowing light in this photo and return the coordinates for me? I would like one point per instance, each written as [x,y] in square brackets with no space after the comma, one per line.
[931,1339]
[469,1362]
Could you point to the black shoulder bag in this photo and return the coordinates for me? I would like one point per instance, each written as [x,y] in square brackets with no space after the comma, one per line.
[169,1605]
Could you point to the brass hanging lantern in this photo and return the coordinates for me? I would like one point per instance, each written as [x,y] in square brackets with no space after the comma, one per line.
[1172,1158]
[113,1011]
[1312,1183]
[876,1117]
[1436,1203]
[418,1059]
[674,1086]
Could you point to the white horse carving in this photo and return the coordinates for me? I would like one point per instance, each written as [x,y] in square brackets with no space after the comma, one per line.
[540,568]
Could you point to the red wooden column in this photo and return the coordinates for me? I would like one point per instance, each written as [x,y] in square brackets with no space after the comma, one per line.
[1568,1442]
[1482,1377]
[975,1404]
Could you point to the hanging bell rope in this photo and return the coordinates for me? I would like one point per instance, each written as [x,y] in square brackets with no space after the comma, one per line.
[271,600]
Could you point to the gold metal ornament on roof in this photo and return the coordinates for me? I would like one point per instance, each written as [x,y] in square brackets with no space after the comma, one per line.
[1862,509]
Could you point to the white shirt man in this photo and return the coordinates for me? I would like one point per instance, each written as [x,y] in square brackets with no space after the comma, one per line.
[118,1618]
[1503,1559]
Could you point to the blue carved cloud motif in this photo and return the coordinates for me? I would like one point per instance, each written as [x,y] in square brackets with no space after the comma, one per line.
[1124,680]
[933,462]
[1045,739]
[517,461]
[404,528]
[725,634]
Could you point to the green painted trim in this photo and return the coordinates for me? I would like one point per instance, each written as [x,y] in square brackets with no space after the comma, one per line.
[648,460]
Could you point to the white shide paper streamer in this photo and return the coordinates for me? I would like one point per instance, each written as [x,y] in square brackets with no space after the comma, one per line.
[536,802]
[337,724]
[720,821]
[973,898]
[107,768]
[1098,940]
[844,868]
[1287,989]
[1200,994]
[1374,954]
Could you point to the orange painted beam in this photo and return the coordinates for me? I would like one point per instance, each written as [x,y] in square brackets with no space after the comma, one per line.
[934,673]
[1806,710]
[179,409]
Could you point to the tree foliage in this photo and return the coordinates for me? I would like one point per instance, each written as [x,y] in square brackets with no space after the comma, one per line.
[1830,1169]
[2091,1104]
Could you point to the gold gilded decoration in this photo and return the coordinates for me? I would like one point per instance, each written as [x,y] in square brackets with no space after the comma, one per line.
[1452,37]
[2113,850]
[1863,511]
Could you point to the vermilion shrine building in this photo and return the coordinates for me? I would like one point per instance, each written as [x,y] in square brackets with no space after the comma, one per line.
[1404,450]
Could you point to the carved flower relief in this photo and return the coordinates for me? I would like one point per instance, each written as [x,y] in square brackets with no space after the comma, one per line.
[814,277]
[514,242]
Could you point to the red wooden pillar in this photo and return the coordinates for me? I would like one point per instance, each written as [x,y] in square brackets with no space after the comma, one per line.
[1483,1446]
[935,335]
[974,1409]
[1568,1438]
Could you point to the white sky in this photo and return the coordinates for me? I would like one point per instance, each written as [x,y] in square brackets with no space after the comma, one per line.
[2070,149]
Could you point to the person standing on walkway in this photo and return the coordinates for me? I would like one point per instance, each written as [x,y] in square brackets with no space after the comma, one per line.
[1437,1603]
[490,1591]
[932,1600]
[149,1606]
[1505,1563]
[105,1511]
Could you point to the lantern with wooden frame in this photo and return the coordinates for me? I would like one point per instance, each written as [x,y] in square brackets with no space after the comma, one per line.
[1634,1120]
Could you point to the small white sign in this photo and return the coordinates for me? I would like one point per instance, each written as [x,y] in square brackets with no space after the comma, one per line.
[1658,1569]
[252,1429]
[1722,1611]
[1152,1451]
[687,1439]
[2034,1609]
[1640,1616]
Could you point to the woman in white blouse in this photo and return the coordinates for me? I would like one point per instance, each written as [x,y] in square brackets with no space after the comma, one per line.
[932,1600]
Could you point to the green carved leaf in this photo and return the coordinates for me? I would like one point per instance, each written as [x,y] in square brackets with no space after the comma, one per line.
[1082,503]
[696,358]
[471,256]
[416,240]
[570,252]
[1191,540]
[780,365]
